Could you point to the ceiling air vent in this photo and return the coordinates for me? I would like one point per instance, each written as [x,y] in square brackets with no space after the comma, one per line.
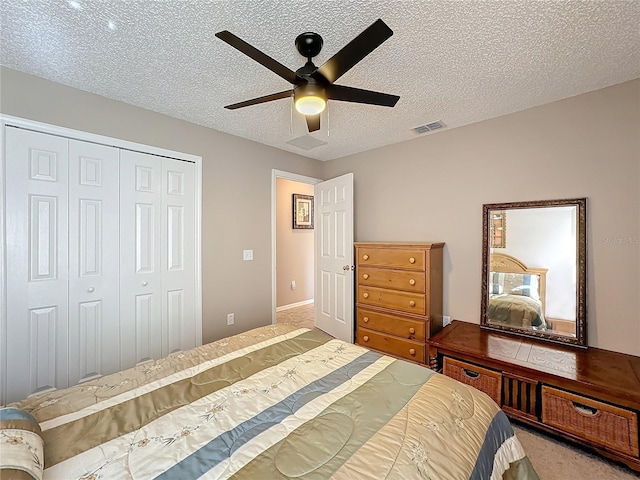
[429,127]
[306,142]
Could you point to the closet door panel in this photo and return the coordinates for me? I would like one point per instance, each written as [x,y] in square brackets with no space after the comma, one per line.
[37,262]
[140,252]
[94,328]
[178,259]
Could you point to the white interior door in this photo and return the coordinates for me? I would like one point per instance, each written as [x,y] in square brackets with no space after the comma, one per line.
[94,327]
[334,256]
[179,329]
[37,263]
[140,262]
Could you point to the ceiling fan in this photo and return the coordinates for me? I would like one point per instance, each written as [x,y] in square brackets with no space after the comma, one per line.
[313,86]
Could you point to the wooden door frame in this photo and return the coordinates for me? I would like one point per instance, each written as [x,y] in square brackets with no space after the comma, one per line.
[11,121]
[275,175]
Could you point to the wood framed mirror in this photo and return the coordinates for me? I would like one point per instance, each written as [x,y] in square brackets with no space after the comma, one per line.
[535,285]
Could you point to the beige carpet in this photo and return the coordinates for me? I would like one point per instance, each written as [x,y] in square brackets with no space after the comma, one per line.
[552,458]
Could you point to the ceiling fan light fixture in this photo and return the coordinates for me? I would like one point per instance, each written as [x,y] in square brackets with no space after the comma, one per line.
[310,105]
[310,99]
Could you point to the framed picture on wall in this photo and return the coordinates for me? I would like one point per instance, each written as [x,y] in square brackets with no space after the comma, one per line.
[302,211]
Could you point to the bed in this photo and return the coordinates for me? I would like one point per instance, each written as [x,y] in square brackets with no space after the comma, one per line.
[277,402]
[516,293]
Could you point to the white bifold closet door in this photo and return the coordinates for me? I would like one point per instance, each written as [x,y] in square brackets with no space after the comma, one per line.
[61,302]
[101,270]
[157,257]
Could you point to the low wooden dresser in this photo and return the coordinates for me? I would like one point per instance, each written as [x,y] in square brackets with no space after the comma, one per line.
[590,396]
[399,297]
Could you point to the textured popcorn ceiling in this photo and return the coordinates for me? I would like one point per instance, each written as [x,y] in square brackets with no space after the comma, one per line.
[455,61]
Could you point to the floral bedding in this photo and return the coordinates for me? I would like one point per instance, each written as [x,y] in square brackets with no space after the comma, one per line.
[277,402]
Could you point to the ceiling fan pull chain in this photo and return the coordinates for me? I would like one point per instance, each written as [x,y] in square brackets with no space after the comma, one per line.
[291,118]
[328,123]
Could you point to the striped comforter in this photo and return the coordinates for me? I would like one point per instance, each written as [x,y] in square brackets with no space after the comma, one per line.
[276,403]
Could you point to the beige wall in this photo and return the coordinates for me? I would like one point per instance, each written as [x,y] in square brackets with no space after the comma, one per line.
[236,192]
[294,248]
[433,188]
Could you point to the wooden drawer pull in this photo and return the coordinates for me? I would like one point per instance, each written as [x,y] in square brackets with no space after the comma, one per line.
[412,303]
[365,295]
[412,260]
[412,351]
[412,282]
[365,319]
[585,410]
[365,338]
[470,373]
[412,330]
[365,257]
[365,276]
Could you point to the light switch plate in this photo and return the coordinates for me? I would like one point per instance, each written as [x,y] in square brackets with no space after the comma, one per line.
[247,255]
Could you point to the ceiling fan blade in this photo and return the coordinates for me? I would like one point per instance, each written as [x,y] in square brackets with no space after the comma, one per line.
[357,95]
[355,50]
[313,122]
[256,101]
[262,58]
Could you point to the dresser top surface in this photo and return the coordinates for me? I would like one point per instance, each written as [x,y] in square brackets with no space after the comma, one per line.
[595,367]
[399,244]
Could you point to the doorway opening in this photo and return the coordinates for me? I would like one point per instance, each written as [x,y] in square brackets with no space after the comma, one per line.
[292,252]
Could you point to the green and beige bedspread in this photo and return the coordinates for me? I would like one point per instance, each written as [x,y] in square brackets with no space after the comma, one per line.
[276,403]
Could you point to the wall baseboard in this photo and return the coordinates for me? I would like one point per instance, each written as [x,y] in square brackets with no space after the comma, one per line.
[294,305]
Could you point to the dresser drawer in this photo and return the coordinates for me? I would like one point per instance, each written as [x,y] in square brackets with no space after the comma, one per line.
[398,326]
[393,299]
[487,381]
[395,346]
[410,259]
[607,425]
[396,279]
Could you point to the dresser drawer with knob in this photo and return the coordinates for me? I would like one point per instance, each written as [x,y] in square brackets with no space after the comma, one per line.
[408,259]
[395,346]
[394,279]
[599,422]
[394,299]
[394,325]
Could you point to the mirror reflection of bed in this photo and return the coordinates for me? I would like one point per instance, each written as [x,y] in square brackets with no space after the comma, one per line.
[517,297]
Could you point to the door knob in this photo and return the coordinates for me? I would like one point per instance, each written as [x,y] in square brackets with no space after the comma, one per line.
[145,283]
[91,289]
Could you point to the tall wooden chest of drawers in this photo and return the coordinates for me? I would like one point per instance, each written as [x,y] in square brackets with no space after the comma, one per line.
[399,296]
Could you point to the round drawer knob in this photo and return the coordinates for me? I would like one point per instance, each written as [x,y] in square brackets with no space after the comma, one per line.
[365,257]
[365,276]
[412,260]
[412,282]
[365,319]
[365,338]
[365,295]
[412,351]
[91,289]
[412,303]
[145,283]
[412,331]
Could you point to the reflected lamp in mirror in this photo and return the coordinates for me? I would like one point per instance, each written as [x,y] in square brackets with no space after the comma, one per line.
[535,285]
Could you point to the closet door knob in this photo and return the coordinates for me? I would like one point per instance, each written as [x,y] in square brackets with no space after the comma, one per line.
[145,283]
[412,303]
[91,289]
[365,276]
[365,295]
[412,282]
[365,257]
[412,351]
[412,260]
[365,338]
[412,330]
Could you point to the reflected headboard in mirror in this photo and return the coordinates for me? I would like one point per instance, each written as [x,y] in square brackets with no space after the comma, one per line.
[536,285]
